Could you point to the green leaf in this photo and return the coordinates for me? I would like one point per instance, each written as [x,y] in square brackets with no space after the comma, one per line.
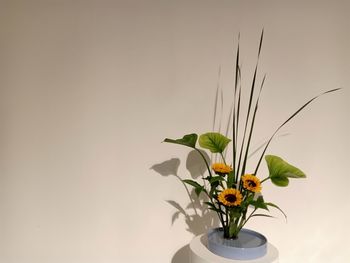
[197,187]
[213,141]
[280,180]
[234,213]
[188,140]
[213,192]
[216,179]
[248,201]
[191,182]
[213,207]
[230,179]
[284,123]
[252,93]
[275,206]
[215,184]
[198,190]
[280,170]
[232,229]
[259,203]
[262,215]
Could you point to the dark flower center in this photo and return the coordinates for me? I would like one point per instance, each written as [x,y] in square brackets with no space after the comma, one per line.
[251,183]
[230,198]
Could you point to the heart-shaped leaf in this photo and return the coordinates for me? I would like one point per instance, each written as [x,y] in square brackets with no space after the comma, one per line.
[188,140]
[280,170]
[214,142]
[280,180]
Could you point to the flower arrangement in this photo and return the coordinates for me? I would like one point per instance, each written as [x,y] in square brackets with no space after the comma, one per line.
[232,192]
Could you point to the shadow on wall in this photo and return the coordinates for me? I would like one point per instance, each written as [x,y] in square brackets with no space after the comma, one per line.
[197,217]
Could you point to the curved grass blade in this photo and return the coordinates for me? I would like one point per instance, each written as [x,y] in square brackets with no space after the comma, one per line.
[235,109]
[237,120]
[216,98]
[284,123]
[262,215]
[275,206]
[252,92]
[252,126]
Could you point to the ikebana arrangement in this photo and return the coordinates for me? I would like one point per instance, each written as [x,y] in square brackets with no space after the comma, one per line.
[233,191]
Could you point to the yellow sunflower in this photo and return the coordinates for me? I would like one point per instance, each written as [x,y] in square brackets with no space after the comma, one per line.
[230,197]
[251,183]
[221,168]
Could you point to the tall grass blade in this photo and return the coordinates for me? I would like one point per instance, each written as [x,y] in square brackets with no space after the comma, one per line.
[261,41]
[216,98]
[216,107]
[284,123]
[239,102]
[252,126]
[221,109]
[252,91]
[229,121]
[235,110]
[257,149]
[228,125]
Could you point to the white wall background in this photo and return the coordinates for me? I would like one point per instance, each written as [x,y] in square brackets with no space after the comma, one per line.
[89,89]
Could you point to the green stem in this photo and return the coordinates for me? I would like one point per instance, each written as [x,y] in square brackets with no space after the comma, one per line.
[223,158]
[219,214]
[188,193]
[205,161]
[267,178]
[249,217]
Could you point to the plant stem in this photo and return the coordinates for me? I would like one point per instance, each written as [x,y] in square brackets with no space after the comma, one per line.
[219,214]
[249,217]
[267,178]
[223,158]
[205,161]
[188,193]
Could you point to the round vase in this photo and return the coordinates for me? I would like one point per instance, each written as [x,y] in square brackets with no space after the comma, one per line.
[248,245]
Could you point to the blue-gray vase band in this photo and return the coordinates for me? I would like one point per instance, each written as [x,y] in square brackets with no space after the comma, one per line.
[248,245]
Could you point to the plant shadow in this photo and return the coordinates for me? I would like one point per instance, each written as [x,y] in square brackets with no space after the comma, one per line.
[198,218]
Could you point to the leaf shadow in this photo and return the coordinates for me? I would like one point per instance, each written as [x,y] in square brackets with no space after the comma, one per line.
[195,213]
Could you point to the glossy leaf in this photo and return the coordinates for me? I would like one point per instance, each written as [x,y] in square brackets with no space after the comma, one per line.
[284,123]
[280,170]
[214,142]
[279,180]
[188,140]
